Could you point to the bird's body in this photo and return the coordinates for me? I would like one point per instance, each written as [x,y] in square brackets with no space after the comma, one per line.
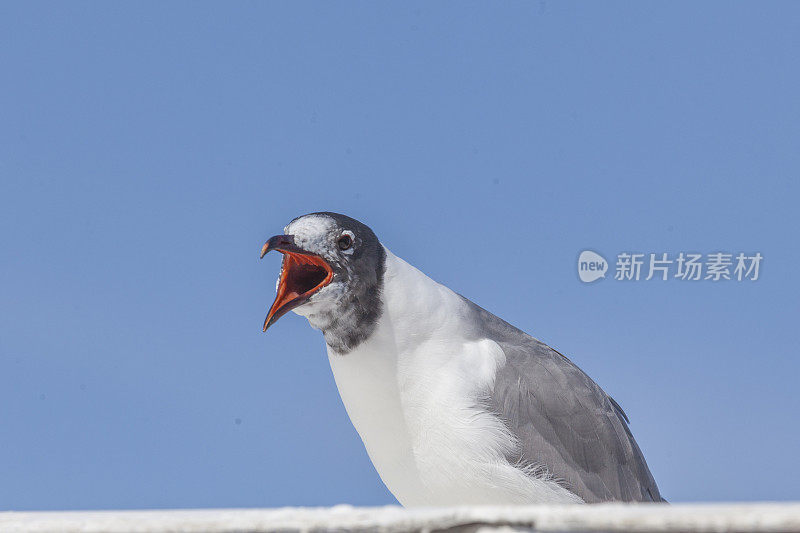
[418,398]
[454,405]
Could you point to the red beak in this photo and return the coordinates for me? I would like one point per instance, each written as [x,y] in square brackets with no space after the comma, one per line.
[303,274]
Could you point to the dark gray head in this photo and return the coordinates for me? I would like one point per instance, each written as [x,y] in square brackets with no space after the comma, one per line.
[332,274]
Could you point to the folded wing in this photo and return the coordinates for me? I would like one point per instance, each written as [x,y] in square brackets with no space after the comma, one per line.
[565,423]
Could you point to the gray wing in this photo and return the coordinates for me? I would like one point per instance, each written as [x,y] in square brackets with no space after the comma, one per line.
[564,421]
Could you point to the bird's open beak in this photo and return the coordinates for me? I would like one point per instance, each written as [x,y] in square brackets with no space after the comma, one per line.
[302,274]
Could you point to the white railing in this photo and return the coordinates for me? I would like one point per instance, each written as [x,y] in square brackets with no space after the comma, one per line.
[755,517]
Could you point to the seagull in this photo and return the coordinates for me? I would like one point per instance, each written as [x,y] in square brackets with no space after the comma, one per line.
[454,405]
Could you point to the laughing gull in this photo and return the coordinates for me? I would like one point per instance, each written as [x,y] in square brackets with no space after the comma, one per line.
[454,405]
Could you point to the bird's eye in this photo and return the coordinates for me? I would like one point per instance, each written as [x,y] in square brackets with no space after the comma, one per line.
[345,242]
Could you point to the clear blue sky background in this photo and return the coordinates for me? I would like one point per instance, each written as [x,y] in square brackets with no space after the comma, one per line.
[147,150]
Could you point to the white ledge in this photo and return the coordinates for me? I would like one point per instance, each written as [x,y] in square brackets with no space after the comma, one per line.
[756,517]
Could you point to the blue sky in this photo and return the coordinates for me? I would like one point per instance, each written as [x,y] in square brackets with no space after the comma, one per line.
[147,150]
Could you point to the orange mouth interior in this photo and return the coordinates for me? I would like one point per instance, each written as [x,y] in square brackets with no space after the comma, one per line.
[301,276]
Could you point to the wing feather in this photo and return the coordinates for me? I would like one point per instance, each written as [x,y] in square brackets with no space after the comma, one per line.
[564,422]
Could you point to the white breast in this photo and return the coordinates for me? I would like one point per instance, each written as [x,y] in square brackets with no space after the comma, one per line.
[413,392]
